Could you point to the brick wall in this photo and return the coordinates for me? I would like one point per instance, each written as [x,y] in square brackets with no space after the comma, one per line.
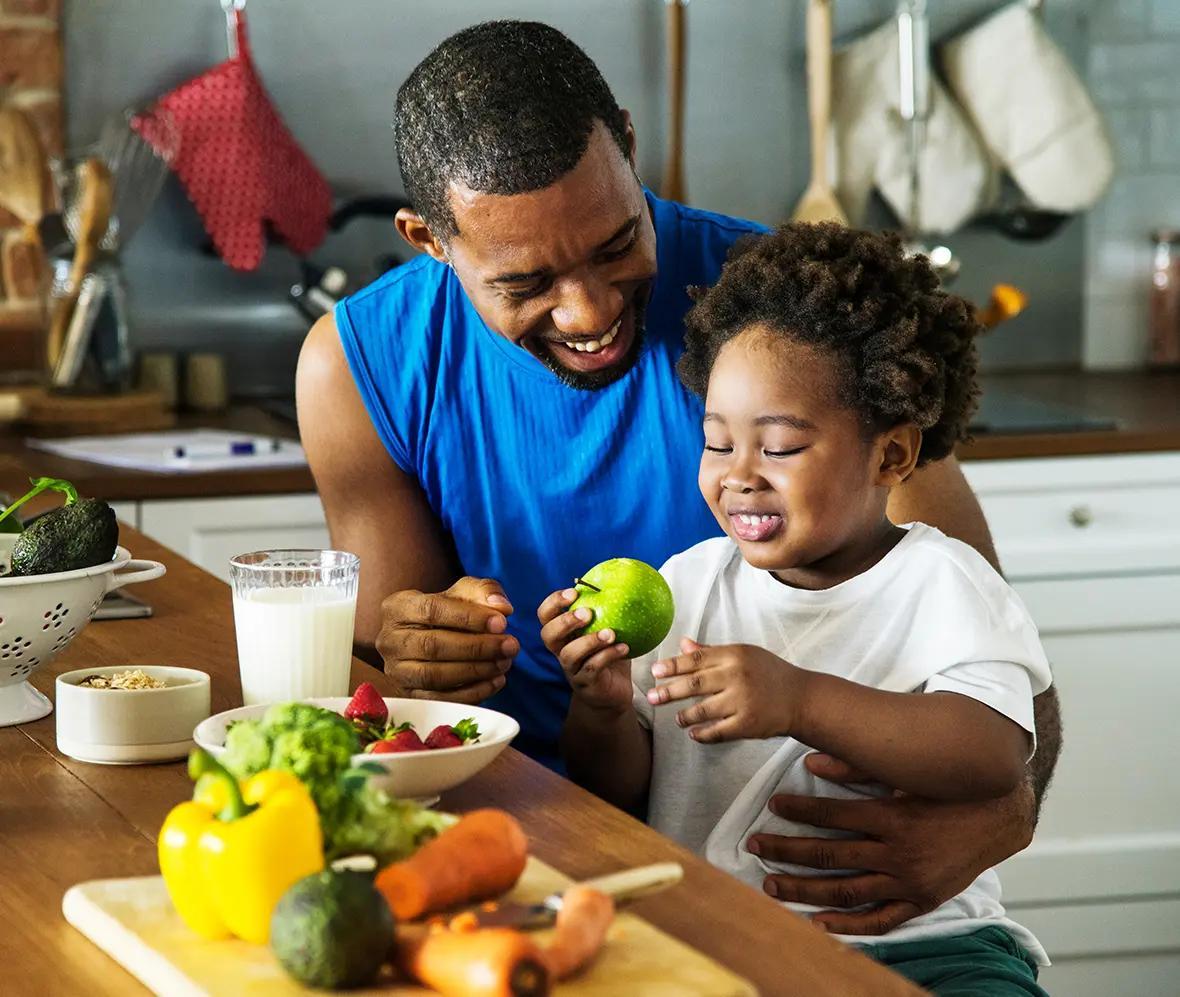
[1135,78]
[31,80]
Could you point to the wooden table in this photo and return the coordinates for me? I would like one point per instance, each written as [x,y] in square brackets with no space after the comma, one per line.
[63,821]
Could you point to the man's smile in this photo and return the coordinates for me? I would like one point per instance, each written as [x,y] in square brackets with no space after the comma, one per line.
[587,355]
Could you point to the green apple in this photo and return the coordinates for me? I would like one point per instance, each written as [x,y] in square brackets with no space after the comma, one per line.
[629,597]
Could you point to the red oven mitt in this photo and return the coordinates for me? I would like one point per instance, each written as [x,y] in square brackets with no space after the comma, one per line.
[240,166]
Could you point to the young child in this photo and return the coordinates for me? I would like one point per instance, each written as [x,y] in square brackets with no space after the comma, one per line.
[832,367]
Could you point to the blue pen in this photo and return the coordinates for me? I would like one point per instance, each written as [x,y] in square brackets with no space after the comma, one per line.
[230,448]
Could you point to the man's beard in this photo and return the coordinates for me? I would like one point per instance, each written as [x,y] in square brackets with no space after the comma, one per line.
[595,379]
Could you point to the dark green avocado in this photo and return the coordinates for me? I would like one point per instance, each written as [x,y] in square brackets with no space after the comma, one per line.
[332,930]
[75,536]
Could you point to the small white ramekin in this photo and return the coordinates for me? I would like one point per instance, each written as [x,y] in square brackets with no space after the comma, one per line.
[130,726]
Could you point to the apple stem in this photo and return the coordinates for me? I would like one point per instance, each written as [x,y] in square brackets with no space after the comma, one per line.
[582,581]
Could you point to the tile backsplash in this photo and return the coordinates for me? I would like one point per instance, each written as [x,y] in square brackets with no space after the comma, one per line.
[1134,75]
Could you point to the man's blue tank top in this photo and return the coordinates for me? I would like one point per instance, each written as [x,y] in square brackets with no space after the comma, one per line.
[535,481]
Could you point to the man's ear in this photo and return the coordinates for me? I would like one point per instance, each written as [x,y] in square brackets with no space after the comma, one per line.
[632,143]
[898,454]
[416,232]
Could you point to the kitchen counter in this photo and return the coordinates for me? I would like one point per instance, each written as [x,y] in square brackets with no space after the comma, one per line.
[19,462]
[1146,408]
[67,821]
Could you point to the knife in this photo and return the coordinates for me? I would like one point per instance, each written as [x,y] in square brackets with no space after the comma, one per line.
[619,886]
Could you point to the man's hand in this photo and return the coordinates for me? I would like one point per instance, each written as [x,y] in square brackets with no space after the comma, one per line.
[914,854]
[746,690]
[448,645]
[598,669]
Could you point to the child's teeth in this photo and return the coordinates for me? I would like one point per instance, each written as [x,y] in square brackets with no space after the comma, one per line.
[766,519]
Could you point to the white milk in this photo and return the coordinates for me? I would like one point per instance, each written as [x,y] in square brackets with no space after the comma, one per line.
[293,643]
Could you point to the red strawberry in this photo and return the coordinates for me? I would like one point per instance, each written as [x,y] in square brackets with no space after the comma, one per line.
[443,736]
[403,740]
[366,704]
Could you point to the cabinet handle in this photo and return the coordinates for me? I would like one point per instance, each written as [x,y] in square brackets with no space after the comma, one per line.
[1081,516]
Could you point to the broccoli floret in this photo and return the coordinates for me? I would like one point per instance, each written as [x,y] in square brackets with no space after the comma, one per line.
[367,821]
[312,743]
[247,748]
[317,754]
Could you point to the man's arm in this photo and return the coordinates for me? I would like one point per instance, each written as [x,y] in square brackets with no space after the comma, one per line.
[373,507]
[939,495]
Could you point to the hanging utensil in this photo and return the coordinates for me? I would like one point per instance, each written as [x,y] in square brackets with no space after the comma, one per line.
[913,62]
[672,185]
[23,174]
[94,215]
[22,167]
[239,164]
[818,203]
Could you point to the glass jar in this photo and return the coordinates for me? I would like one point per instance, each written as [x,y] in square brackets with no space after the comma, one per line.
[1164,312]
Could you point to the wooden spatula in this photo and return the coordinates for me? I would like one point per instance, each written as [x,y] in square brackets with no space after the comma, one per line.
[672,185]
[94,215]
[22,167]
[818,203]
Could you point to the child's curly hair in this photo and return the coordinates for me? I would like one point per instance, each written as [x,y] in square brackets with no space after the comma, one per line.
[909,346]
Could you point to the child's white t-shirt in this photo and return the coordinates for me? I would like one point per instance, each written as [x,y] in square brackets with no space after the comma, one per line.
[931,615]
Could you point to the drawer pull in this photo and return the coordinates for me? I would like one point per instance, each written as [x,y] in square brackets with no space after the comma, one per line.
[1081,516]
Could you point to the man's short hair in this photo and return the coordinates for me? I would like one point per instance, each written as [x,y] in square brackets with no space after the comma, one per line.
[503,107]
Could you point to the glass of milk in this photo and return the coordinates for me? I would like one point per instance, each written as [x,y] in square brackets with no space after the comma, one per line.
[294,612]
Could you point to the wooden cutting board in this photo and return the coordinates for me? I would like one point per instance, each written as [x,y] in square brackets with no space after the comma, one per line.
[133,921]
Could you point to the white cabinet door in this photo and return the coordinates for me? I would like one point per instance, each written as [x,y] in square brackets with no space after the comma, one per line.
[1110,828]
[211,531]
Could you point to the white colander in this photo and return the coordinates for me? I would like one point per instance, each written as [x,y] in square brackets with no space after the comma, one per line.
[41,614]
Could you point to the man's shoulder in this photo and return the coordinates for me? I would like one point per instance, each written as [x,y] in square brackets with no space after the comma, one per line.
[418,274]
[706,222]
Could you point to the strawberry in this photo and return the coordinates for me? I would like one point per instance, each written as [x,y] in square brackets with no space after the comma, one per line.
[443,736]
[403,740]
[366,704]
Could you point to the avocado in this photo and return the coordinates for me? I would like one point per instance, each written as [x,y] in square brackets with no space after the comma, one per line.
[332,930]
[80,535]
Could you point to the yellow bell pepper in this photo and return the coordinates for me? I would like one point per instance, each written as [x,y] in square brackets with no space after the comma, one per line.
[231,853]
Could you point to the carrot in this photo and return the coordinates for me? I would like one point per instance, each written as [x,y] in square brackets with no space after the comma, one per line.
[490,962]
[481,856]
[582,923]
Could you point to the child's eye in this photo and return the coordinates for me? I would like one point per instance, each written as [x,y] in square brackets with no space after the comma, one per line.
[783,453]
[709,449]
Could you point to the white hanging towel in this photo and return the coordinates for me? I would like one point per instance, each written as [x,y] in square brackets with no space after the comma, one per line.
[871,141]
[1031,109]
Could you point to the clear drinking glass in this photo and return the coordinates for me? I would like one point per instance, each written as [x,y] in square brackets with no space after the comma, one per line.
[294,612]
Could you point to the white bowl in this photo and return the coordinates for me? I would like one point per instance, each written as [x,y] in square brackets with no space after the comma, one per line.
[41,614]
[408,774]
[129,726]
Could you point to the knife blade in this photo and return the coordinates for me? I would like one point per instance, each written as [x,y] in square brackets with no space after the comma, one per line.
[619,886]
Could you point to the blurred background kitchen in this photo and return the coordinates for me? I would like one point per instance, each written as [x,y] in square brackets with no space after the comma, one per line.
[331,73]
[1047,187]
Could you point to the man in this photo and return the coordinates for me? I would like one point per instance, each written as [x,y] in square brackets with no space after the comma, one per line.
[492,419]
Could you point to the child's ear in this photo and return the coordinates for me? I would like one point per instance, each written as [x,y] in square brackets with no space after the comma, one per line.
[898,453]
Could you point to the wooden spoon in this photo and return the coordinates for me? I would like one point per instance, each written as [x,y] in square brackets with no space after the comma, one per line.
[818,203]
[22,167]
[94,215]
[672,185]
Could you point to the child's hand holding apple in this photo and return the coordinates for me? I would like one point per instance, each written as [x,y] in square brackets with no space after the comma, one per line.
[598,668]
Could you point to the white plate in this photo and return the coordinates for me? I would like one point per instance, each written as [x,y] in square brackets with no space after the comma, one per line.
[409,774]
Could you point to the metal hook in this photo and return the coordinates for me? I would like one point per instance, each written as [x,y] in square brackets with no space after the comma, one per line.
[232,9]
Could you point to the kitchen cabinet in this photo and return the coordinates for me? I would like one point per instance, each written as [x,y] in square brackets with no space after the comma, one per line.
[211,531]
[1092,545]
